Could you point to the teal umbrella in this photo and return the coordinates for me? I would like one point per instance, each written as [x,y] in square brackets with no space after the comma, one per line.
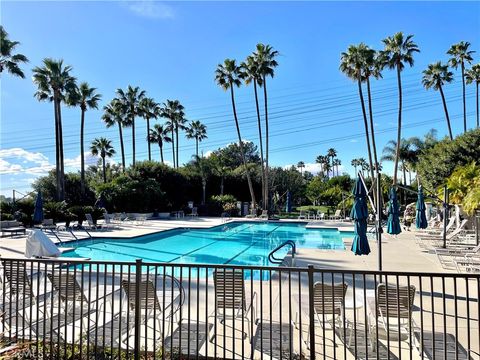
[420,217]
[288,206]
[393,222]
[359,214]
[38,211]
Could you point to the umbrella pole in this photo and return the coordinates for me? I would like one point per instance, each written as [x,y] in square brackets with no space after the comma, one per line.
[445,215]
[379,221]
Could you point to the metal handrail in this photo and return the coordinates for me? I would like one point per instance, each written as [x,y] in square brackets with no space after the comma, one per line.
[275,260]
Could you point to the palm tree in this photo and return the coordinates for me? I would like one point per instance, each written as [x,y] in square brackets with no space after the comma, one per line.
[459,56]
[336,163]
[103,147]
[250,73]
[398,51]
[355,163]
[265,59]
[173,111]
[332,153]
[301,166]
[227,76]
[86,98]
[202,168]
[8,61]
[149,109]
[322,160]
[114,113]
[54,83]
[435,77]
[408,154]
[159,135]
[131,100]
[473,76]
[362,164]
[352,65]
[197,131]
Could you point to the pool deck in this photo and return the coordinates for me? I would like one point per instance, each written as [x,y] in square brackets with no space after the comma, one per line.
[417,260]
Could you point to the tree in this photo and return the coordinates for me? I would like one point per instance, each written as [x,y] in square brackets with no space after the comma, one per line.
[202,168]
[250,72]
[54,83]
[398,52]
[227,77]
[159,135]
[408,154]
[459,56]
[219,168]
[332,153]
[103,147]
[131,104]
[173,111]
[231,155]
[301,166]
[435,76]
[352,65]
[363,165]
[149,109]
[473,76]
[336,163]
[197,131]
[114,113]
[323,161]
[8,61]
[86,98]
[265,59]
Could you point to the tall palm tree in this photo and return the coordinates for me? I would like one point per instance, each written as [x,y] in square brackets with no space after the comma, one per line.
[54,83]
[264,56]
[8,61]
[103,147]
[363,165]
[473,76]
[398,52]
[250,73]
[435,76]
[352,64]
[201,166]
[149,109]
[159,135]
[227,76]
[301,166]
[197,131]
[86,98]
[355,165]
[331,154]
[322,160]
[131,99]
[336,163]
[114,113]
[459,56]
[173,111]
[407,154]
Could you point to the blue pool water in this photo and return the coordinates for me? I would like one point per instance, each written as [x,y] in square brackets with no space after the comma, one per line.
[237,243]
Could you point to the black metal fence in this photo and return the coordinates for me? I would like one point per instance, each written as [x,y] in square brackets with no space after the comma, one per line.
[118,310]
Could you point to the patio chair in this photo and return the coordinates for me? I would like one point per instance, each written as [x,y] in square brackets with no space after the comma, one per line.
[48,224]
[264,215]
[453,257]
[393,314]
[194,212]
[91,223]
[320,215]
[426,242]
[230,299]
[337,215]
[301,216]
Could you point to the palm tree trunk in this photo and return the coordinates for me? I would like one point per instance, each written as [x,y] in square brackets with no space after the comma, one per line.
[204,186]
[266,194]
[176,145]
[464,100]
[133,139]
[196,146]
[104,170]
[446,112]
[120,134]
[261,143]
[478,122]
[161,152]
[62,164]
[57,150]
[374,146]
[399,131]
[404,170]
[148,142]
[242,153]
[365,123]
[82,157]
[173,146]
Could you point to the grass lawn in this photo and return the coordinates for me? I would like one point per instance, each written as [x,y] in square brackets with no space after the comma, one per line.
[294,214]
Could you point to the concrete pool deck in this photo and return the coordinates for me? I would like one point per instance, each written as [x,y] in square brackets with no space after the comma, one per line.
[416,259]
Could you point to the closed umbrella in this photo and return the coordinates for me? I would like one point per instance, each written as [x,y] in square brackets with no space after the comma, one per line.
[38,212]
[393,222]
[288,205]
[359,214]
[421,217]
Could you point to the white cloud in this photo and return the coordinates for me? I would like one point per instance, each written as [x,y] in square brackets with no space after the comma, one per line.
[208,153]
[353,140]
[74,163]
[32,162]
[150,9]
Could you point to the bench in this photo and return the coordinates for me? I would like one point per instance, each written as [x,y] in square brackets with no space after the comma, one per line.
[12,227]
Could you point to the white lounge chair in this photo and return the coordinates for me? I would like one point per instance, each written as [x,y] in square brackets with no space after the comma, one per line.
[194,212]
[91,223]
[301,216]
[337,215]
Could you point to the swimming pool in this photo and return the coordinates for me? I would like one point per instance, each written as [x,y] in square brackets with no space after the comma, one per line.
[236,243]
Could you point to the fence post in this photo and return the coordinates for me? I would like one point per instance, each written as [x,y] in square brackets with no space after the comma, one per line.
[138,279]
[311,315]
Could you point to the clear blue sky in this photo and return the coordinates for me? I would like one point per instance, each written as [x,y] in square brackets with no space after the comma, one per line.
[171,49]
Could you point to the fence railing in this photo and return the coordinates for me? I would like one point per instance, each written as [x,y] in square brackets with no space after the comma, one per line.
[122,310]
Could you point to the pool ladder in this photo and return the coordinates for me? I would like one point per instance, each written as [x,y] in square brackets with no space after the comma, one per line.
[274,260]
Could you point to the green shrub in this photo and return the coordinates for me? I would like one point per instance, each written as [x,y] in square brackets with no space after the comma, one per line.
[222,203]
